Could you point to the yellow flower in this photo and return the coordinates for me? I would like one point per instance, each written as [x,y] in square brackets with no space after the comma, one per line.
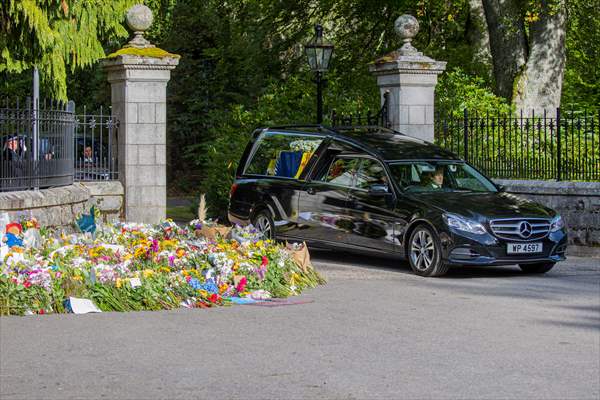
[180,252]
[167,244]
[139,252]
[148,273]
[119,283]
[165,269]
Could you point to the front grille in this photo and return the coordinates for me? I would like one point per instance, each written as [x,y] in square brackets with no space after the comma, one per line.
[520,229]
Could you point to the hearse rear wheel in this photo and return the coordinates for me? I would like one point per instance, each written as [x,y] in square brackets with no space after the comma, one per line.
[539,268]
[424,252]
[263,222]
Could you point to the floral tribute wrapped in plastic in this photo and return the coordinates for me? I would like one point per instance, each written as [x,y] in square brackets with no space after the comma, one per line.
[126,267]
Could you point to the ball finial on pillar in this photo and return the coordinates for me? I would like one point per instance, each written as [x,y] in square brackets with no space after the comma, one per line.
[407,27]
[139,19]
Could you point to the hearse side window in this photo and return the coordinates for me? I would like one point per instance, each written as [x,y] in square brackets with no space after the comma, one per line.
[341,171]
[283,155]
[371,173]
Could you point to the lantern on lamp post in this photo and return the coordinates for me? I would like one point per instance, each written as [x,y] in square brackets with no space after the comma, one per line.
[318,52]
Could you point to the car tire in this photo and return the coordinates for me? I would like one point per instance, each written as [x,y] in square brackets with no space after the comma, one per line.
[263,222]
[539,268]
[424,252]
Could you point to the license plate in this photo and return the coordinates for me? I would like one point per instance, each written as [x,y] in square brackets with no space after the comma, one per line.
[523,248]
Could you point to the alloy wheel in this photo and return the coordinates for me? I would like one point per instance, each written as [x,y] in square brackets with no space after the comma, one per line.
[422,250]
[263,225]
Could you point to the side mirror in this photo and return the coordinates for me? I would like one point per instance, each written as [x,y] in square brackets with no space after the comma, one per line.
[501,188]
[378,190]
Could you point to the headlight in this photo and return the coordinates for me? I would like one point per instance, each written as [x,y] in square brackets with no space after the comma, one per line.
[463,224]
[557,224]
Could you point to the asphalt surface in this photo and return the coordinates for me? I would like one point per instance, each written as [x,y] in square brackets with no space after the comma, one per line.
[374,331]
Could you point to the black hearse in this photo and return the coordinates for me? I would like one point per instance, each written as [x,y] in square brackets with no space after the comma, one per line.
[373,189]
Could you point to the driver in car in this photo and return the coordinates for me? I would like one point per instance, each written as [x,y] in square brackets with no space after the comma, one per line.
[434,180]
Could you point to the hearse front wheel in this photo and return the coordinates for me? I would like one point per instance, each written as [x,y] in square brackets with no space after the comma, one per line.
[539,268]
[424,252]
[263,222]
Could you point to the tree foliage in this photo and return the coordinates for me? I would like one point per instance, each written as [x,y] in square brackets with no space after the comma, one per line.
[582,76]
[242,64]
[57,36]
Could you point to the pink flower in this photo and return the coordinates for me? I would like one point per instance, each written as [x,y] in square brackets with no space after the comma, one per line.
[242,284]
[262,270]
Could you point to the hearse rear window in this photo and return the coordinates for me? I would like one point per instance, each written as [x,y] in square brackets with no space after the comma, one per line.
[283,155]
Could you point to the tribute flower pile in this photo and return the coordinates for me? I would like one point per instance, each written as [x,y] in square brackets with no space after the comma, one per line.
[125,267]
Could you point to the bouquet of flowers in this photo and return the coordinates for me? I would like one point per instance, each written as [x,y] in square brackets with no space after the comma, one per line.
[127,266]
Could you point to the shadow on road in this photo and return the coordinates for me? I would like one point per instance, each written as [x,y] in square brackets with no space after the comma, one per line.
[393,264]
[573,282]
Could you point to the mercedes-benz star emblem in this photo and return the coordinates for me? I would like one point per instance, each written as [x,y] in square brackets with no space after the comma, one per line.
[525,229]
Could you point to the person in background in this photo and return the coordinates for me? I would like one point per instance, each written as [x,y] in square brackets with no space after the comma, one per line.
[13,157]
[88,156]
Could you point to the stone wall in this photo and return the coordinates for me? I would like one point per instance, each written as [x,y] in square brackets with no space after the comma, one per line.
[577,202]
[108,197]
[59,207]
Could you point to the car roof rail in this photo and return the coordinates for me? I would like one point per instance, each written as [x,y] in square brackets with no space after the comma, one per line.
[344,127]
[302,126]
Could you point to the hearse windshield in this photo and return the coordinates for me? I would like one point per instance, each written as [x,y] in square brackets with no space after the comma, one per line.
[439,176]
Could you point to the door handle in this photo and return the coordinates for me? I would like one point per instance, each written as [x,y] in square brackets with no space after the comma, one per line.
[310,190]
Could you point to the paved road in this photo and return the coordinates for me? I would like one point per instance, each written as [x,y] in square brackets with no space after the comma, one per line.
[374,331]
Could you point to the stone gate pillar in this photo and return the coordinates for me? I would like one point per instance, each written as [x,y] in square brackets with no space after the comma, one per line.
[138,74]
[410,77]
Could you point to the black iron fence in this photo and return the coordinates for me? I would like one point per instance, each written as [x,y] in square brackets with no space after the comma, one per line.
[95,146]
[558,145]
[368,117]
[37,144]
[48,145]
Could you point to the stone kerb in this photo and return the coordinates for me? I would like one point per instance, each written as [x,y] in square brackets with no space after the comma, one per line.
[410,78]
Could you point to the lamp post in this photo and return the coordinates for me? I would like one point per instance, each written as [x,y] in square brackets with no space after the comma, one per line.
[318,52]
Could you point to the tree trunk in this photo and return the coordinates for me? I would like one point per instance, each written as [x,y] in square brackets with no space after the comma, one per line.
[478,36]
[539,86]
[508,42]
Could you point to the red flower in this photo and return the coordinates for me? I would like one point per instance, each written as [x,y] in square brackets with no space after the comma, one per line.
[265,261]
[27,284]
[213,298]
[241,284]
[41,311]
[188,278]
